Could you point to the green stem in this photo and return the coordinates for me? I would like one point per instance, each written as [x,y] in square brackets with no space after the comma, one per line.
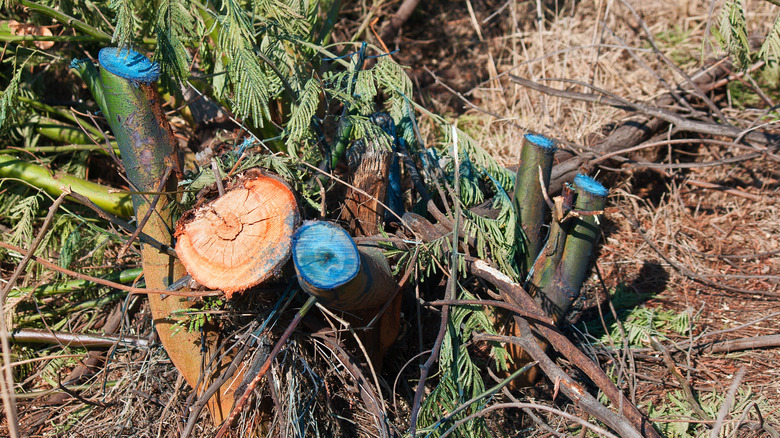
[90,75]
[114,203]
[55,38]
[148,152]
[70,310]
[67,20]
[550,256]
[57,149]
[564,288]
[126,276]
[530,205]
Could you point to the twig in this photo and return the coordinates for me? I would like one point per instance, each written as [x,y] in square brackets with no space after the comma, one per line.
[486,393]
[367,393]
[345,323]
[680,123]
[724,189]
[197,407]
[554,411]
[425,369]
[148,214]
[686,387]
[728,402]
[568,386]
[399,18]
[143,237]
[37,336]
[239,406]
[515,294]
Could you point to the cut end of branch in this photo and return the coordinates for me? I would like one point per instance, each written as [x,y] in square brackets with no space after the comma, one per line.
[324,255]
[242,238]
[129,64]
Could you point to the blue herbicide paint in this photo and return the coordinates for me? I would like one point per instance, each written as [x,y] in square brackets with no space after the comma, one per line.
[590,185]
[541,141]
[324,255]
[129,64]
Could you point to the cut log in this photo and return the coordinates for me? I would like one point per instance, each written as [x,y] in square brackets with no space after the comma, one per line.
[351,278]
[340,274]
[242,238]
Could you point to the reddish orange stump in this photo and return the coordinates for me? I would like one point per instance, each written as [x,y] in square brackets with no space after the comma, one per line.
[241,238]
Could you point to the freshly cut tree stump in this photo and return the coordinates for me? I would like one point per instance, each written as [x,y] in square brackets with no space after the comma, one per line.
[241,238]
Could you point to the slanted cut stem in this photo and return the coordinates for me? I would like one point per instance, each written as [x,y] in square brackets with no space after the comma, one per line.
[144,137]
[538,152]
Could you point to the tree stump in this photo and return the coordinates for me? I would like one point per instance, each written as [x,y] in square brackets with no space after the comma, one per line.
[369,165]
[241,238]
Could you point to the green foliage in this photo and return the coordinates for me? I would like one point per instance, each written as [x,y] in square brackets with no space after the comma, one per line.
[732,31]
[770,50]
[125,22]
[193,320]
[22,213]
[732,34]
[8,99]
[173,20]
[640,323]
[674,406]
[460,377]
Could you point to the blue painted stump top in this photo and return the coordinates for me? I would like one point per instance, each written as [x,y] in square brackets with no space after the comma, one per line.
[590,185]
[324,255]
[541,141]
[129,64]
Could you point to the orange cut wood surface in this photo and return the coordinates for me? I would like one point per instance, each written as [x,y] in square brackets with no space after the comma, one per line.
[241,238]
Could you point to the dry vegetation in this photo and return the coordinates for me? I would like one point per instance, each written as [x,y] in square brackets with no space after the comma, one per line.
[688,254]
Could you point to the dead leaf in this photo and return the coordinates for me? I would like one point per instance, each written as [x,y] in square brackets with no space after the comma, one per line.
[18,28]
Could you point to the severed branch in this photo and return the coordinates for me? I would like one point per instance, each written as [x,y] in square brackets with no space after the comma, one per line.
[642,126]
[562,380]
[515,294]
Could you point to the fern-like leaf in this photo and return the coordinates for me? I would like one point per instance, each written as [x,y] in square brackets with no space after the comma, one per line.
[173,22]
[732,31]
[770,50]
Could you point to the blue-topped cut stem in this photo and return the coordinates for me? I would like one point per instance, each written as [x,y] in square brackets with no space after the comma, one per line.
[133,109]
[340,274]
[564,287]
[530,205]
[134,112]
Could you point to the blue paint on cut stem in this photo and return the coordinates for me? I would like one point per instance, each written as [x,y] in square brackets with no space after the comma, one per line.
[541,141]
[129,64]
[590,185]
[324,254]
